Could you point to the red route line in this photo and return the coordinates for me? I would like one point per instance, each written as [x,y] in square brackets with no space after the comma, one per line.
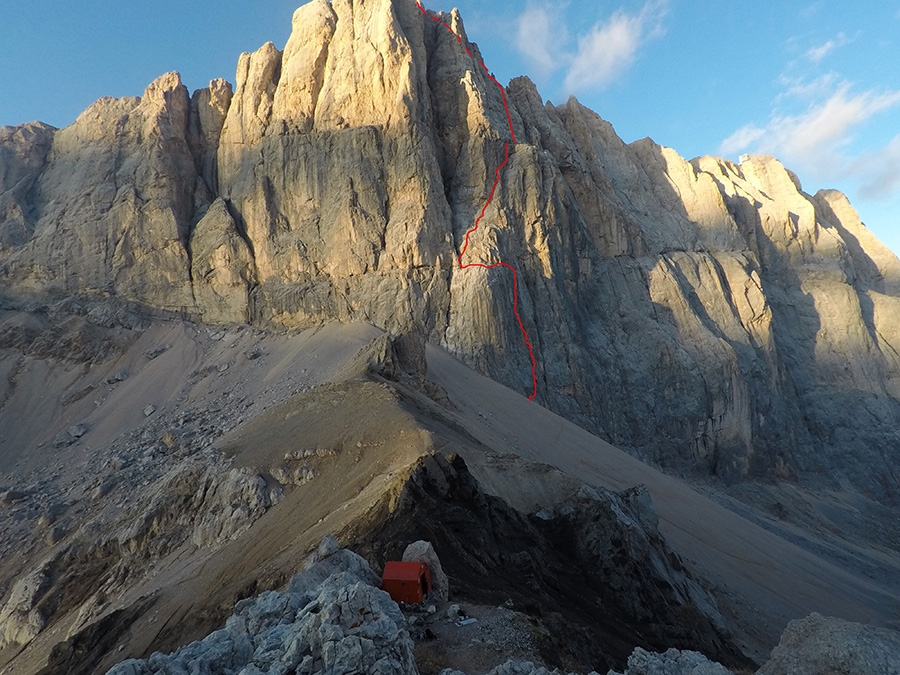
[490,266]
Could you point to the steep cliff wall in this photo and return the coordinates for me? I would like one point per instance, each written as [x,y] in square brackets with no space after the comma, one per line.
[707,315]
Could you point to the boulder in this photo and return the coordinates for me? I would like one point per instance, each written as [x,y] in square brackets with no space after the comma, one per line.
[423,551]
[11,496]
[327,548]
[820,644]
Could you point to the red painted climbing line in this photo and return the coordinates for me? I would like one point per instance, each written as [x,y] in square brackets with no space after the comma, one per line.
[474,228]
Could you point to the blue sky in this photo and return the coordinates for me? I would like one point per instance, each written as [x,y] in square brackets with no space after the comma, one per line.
[815,83]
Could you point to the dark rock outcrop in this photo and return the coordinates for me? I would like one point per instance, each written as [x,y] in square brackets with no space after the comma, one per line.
[593,568]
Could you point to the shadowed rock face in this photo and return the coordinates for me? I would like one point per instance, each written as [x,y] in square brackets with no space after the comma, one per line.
[594,567]
[709,316]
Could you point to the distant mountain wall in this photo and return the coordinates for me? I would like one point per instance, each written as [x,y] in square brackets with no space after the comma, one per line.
[709,316]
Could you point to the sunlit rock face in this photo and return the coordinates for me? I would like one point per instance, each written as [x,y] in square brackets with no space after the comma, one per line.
[710,316]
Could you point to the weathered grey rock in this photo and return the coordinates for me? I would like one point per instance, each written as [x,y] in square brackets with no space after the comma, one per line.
[209,108]
[23,155]
[21,618]
[594,542]
[672,662]
[511,667]
[77,430]
[11,496]
[115,202]
[222,268]
[104,487]
[156,351]
[326,548]
[617,536]
[230,503]
[709,316]
[423,551]
[331,620]
[328,561]
[820,644]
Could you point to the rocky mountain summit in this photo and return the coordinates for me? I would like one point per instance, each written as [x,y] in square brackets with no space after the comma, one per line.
[711,317]
[234,321]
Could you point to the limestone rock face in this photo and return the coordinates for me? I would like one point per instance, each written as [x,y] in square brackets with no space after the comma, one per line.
[248,114]
[23,155]
[209,108]
[326,155]
[24,152]
[706,315]
[303,64]
[222,266]
[113,205]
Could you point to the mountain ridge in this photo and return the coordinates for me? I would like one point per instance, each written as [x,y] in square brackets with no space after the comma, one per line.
[234,321]
[709,316]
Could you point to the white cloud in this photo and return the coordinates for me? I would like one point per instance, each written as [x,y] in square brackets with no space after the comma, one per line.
[880,171]
[816,140]
[610,47]
[601,55]
[810,11]
[741,139]
[816,54]
[536,39]
[829,125]
[815,89]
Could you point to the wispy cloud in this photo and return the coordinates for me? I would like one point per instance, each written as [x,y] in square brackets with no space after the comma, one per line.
[743,139]
[816,139]
[816,54]
[610,48]
[811,10]
[820,87]
[880,171]
[602,54]
[538,37]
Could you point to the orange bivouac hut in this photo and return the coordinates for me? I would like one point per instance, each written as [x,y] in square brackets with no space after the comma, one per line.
[406,581]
